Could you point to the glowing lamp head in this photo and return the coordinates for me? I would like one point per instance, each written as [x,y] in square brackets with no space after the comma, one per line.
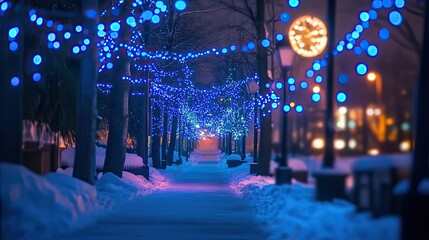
[371,76]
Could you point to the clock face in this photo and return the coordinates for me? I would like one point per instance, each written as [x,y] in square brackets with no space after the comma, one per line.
[308,36]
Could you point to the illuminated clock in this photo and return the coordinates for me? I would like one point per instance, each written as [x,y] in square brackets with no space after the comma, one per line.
[308,36]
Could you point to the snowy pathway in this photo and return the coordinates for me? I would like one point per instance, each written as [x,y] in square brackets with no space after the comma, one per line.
[199,205]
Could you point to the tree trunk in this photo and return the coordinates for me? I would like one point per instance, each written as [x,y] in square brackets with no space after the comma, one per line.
[165,135]
[265,121]
[118,123]
[415,209]
[143,106]
[84,166]
[328,154]
[142,124]
[172,141]
[156,132]
[10,98]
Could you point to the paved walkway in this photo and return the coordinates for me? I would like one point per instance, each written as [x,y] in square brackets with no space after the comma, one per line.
[199,205]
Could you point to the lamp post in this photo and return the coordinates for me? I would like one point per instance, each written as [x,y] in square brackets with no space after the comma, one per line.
[252,88]
[285,56]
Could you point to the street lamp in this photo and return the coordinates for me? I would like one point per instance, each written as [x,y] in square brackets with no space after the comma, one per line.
[377,113]
[252,88]
[285,55]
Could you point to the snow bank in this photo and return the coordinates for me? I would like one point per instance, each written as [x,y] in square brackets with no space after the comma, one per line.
[290,212]
[382,161]
[234,157]
[403,186]
[67,158]
[424,186]
[36,207]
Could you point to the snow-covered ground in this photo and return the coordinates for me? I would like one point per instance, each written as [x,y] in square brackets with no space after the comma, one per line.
[36,207]
[290,211]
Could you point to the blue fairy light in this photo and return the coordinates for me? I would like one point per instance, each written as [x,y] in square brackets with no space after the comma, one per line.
[13,32]
[372,51]
[364,16]
[114,35]
[51,37]
[4,6]
[291,80]
[286,108]
[304,85]
[386,3]
[37,77]
[147,15]
[76,50]
[359,28]
[91,13]
[115,26]
[37,60]
[56,45]
[159,4]
[357,51]
[39,21]
[14,81]
[251,45]
[78,28]
[13,46]
[60,27]
[155,19]
[364,44]
[49,23]
[284,17]
[299,108]
[341,97]
[265,43]
[279,85]
[343,78]
[315,97]
[395,18]
[318,79]
[361,69]
[100,27]
[274,105]
[372,14]
[376,4]
[67,35]
[384,34]
[131,21]
[101,33]
[293,3]
[279,37]
[399,3]
[180,5]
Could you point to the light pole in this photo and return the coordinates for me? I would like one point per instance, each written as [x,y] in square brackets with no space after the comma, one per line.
[252,88]
[285,55]
[379,110]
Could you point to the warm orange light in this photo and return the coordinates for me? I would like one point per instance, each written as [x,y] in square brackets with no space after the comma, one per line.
[292,104]
[371,76]
[389,121]
[316,89]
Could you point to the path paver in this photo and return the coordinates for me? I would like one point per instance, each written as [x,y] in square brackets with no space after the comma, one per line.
[198,205]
